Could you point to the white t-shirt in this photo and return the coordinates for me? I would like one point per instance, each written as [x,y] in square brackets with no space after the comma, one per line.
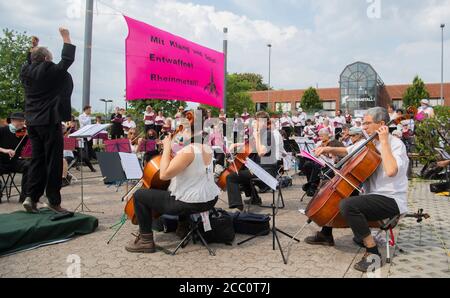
[392,187]
[149,118]
[129,125]
[196,183]
[84,120]
[339,121]
[286,122]
[160,120]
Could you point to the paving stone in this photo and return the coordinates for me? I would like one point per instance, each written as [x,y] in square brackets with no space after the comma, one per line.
[423,254]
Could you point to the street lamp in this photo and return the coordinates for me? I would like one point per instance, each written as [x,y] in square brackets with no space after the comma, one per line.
[106,101]
[442,65]
[270,64]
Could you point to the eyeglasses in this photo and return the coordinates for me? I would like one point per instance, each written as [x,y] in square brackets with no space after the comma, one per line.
[367,123]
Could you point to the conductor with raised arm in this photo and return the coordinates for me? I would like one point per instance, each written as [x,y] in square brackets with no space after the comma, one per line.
[48,90]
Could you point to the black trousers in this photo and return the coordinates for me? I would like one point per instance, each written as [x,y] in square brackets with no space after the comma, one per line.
[298,130]
[158,129]
[360,210]
[312,172]
[242,181]
[46,163]
[288,131]
[21,167]
[148,201]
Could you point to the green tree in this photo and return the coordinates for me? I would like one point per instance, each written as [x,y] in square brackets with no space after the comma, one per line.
[237,95]
[311,101]
[13,55]
[255,80]
[415,93]
[427,137]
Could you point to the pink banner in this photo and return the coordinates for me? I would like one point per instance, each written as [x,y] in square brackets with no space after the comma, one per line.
[163,66]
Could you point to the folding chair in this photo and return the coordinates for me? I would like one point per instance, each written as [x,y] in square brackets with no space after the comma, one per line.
[8,184]
[195,222]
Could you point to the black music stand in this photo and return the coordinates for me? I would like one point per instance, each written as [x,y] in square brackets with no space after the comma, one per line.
[275,185]
[118,168]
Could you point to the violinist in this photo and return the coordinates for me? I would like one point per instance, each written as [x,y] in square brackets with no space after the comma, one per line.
[345,136]
[265,144]
[385,193]
[13,139]
[152,136]
[192,188]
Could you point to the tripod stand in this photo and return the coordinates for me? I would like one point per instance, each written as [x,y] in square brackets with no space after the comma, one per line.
[82,206]
[274,230]
[83,134]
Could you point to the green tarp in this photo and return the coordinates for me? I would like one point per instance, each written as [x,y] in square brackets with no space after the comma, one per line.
[21,231]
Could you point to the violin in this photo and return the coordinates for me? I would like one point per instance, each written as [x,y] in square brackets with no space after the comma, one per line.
[151,178]
[21,133]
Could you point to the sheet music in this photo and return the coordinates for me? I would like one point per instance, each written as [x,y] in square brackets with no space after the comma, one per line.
[313,158]
[89,131]
[131,166]
[306,144]
[259,172]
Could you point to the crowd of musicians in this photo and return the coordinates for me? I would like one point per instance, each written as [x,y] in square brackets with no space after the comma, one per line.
[190,156]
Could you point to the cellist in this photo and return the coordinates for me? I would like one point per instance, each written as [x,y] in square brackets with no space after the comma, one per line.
[385,192]
[192,188]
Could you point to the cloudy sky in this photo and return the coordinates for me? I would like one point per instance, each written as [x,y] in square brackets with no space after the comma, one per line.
[313,40]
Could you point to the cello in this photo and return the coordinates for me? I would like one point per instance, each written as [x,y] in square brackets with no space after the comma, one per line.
[151,178]
[352,171]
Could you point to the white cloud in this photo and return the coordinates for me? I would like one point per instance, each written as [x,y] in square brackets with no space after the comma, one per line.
[405,41]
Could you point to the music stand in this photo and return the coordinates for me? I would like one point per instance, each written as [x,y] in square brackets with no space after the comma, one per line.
[148,146]
[306,144]
[120,145]
[119,167]
[275,185]
[89,131]
[71,145]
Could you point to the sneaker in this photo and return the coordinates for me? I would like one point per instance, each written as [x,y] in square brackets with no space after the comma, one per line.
[57,209]
[30,206]
[365,265]
[320,239]
[306,187]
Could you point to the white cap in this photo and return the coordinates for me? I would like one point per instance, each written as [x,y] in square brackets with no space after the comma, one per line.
[316,115]
[358,120]
[300,110]
[425,102]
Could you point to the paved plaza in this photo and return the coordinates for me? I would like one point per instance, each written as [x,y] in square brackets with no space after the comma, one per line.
[423,245]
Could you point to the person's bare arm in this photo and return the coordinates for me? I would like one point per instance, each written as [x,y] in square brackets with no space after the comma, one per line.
[389,162]
[341,152]
[169,169]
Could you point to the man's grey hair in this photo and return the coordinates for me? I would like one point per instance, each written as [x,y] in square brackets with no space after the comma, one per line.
[379,114]
[41,54]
